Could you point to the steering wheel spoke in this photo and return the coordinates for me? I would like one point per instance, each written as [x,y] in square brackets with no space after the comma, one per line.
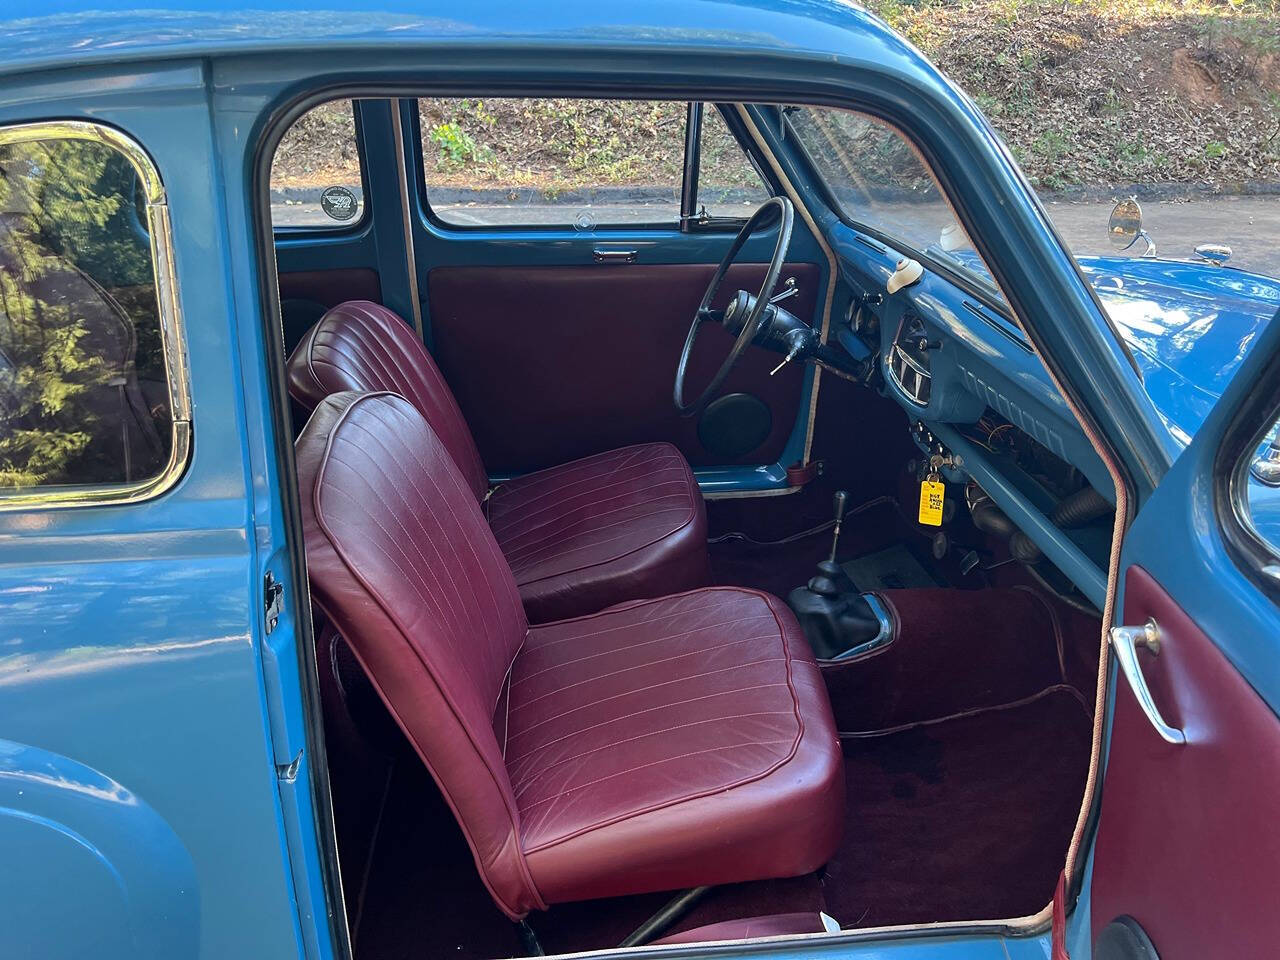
[775,209]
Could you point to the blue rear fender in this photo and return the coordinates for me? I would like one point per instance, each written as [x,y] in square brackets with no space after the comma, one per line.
[94,851]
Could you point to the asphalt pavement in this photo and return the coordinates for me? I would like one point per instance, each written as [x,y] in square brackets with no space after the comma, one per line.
[1249,225]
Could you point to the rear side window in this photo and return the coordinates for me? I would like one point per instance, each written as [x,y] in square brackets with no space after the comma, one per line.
[316,180]
[552,162]
[85,400]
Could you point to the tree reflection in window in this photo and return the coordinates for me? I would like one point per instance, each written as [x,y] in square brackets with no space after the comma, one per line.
[83,396]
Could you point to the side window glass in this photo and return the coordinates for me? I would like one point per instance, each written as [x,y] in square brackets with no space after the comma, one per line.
[1262,490]
[728,184]
[508,162]
[84,395]
[316,179]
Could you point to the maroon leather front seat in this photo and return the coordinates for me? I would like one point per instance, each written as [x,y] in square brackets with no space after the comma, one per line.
[625,524]
[655,745]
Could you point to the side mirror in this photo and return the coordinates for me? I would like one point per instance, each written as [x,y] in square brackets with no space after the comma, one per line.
[1125,227]
[1215,253]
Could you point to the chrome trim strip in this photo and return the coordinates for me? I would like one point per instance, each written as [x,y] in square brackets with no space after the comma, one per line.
[172,334]
[406,214]
[880,639]
[906,358]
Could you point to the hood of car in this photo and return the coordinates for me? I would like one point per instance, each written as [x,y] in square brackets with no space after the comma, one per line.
[1189,326]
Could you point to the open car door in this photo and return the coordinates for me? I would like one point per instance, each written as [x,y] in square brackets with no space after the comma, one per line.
[1187,856]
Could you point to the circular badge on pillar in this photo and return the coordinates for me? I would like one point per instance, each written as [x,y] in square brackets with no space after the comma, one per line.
[339,203]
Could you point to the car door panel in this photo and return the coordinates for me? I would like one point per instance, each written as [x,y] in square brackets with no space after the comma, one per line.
[551,363]
[1186,843]
[331,287]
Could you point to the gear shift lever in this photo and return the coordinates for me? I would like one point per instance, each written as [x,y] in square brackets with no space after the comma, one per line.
[830,580]
[835,616]
[840,502]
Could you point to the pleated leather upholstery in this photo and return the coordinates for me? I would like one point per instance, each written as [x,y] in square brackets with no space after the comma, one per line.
[621,525]
[674,742]
[655,745]
[403,564]
[361,345]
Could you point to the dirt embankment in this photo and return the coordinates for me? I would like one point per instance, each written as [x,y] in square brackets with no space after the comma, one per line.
[1105,92]
[1094,93]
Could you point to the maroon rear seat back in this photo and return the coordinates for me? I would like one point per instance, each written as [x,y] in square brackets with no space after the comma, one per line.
[402,561]
[360,345]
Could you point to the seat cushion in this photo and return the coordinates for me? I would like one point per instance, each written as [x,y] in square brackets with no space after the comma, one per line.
[672,743]
[618,526]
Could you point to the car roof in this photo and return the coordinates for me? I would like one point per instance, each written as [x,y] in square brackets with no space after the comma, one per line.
[83,32]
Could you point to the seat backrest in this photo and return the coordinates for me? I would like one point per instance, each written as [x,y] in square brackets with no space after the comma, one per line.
[403,563]
[361,345]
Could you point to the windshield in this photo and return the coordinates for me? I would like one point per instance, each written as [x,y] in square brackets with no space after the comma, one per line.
[878,181]
[1187,323]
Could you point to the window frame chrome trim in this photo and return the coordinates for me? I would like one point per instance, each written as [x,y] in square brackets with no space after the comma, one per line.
[172,332]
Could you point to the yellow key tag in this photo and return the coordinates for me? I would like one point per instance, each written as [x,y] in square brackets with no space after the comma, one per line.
[932,493]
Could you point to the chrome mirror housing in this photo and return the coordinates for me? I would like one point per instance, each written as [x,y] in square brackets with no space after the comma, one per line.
[1125,227]
[1215,253]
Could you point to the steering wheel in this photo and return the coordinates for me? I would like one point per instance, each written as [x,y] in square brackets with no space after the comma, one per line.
[772,210]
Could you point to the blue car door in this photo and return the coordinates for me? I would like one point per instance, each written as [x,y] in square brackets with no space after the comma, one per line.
[1185,863]
[154,797]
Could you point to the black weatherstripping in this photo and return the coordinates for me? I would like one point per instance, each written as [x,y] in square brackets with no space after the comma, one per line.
[1257,414]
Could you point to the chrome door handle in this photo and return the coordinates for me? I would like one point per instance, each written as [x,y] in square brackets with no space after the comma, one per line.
[1125,642]
[607,255]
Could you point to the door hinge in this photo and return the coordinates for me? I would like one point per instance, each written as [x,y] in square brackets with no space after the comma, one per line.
[272,600]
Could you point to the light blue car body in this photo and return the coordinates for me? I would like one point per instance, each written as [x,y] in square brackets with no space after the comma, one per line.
[161,790]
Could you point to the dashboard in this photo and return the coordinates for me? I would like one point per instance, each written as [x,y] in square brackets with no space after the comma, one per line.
[980,399]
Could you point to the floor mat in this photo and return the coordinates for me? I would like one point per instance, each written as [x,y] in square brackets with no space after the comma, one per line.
[600,924]
[967,819]
[778,568]
[954,650]
[424,897]
[893,568]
